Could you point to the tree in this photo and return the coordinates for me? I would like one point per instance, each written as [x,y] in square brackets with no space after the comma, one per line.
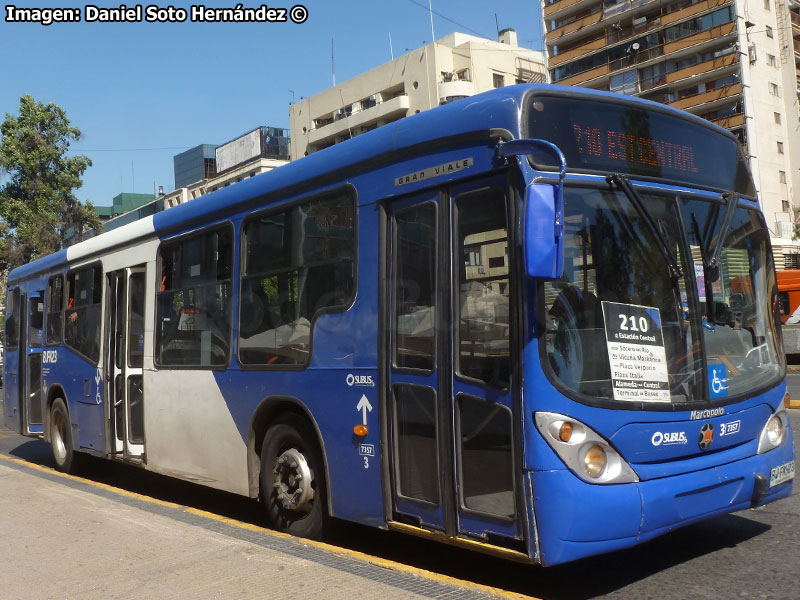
[38,207]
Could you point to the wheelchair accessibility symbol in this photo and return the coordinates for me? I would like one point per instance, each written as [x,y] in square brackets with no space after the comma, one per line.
[717,380]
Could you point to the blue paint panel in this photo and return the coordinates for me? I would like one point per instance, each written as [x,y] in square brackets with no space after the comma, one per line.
[571,516]
[674,439]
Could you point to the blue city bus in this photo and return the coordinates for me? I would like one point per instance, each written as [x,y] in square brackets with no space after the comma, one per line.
[539,322]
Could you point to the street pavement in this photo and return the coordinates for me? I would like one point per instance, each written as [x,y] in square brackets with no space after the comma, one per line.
[68,537]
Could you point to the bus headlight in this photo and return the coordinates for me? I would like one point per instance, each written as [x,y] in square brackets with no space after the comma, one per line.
[595,461]
[587,454]
[773,433]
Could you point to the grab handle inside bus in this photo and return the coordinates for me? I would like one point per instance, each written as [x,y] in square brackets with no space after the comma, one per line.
[543,225]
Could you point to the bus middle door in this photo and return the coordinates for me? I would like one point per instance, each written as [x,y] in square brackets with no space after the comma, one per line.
[450,406]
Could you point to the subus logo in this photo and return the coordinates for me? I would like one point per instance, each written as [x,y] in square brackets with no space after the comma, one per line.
[363,380]
[669,438]
[49,356]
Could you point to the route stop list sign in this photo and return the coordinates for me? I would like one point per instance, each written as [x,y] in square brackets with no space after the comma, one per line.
[636,352]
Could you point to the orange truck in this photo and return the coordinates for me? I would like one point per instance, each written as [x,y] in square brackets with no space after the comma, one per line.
[789,296]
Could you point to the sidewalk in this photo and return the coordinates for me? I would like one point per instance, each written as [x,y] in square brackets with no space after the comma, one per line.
[64,537]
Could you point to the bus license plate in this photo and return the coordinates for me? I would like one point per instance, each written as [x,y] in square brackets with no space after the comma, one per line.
[781,473]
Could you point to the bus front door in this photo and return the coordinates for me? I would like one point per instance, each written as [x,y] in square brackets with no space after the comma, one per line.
[450,405]
[124,361]
[31,380]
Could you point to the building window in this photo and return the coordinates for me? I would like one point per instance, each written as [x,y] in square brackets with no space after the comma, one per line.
[777,116]
[766,4]
[498,80]
[771,60]
[782,176]
[298,263]
[780,147]
[194,304]
[791,261]
[769,32]
[774,89]
[785,205]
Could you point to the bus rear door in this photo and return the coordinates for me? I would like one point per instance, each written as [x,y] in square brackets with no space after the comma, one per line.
[126,289]
[31,377]
[450,401]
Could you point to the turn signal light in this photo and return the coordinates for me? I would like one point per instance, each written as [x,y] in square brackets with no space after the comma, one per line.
[360,430]
[565,433]
[787,401]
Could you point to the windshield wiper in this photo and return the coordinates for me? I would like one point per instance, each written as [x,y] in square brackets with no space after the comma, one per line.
[711,262]
[624,184]
[732,199]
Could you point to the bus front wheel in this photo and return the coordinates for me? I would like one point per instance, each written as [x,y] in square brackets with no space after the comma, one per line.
[61,438]
[293,478]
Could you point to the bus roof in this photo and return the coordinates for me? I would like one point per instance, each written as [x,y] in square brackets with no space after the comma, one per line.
[464,119]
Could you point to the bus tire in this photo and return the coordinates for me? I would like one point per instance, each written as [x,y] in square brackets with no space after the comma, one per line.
[293,478]
[64,454]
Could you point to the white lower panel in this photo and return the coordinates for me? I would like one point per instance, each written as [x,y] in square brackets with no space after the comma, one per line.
[189,431]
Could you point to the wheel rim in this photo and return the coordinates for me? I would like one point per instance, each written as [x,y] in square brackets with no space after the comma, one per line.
[293,481]
[59,434]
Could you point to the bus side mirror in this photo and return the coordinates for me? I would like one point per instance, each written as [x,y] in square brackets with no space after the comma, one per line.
[543,231]
[543,226]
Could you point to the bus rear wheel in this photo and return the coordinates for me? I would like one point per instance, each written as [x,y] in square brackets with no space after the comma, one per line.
[293,479]
[61,438]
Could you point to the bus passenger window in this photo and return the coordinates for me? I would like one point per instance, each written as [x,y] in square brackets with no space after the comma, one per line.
[193,308]
[82,324]
[136,320]
[482,263]
[55,304]
[415,287]
[12,319]
[297,263]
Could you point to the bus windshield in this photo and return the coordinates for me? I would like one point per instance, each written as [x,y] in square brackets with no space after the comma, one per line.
[654,335]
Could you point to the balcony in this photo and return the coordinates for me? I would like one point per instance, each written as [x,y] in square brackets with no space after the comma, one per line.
[703,68]
[577,25]
[714,95]
[731,122]
[393,108]
[561,6]
[701,36]
[690,11]
[585,76]
[577,52]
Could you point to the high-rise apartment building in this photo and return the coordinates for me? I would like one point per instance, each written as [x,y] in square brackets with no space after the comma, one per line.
[733,62]
[449,69]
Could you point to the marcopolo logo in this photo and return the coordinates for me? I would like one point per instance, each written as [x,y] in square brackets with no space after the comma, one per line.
[360,380]
[668,438]
[707,414]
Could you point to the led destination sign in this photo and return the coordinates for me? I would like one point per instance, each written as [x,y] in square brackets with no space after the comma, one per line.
[609,136]
[614,144]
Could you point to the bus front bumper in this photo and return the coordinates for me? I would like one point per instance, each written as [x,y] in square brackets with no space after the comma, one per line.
[575,519]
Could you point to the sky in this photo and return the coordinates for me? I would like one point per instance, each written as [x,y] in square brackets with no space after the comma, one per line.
[143,92]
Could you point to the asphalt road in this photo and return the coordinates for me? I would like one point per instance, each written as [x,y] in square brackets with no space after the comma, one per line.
[751,554]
